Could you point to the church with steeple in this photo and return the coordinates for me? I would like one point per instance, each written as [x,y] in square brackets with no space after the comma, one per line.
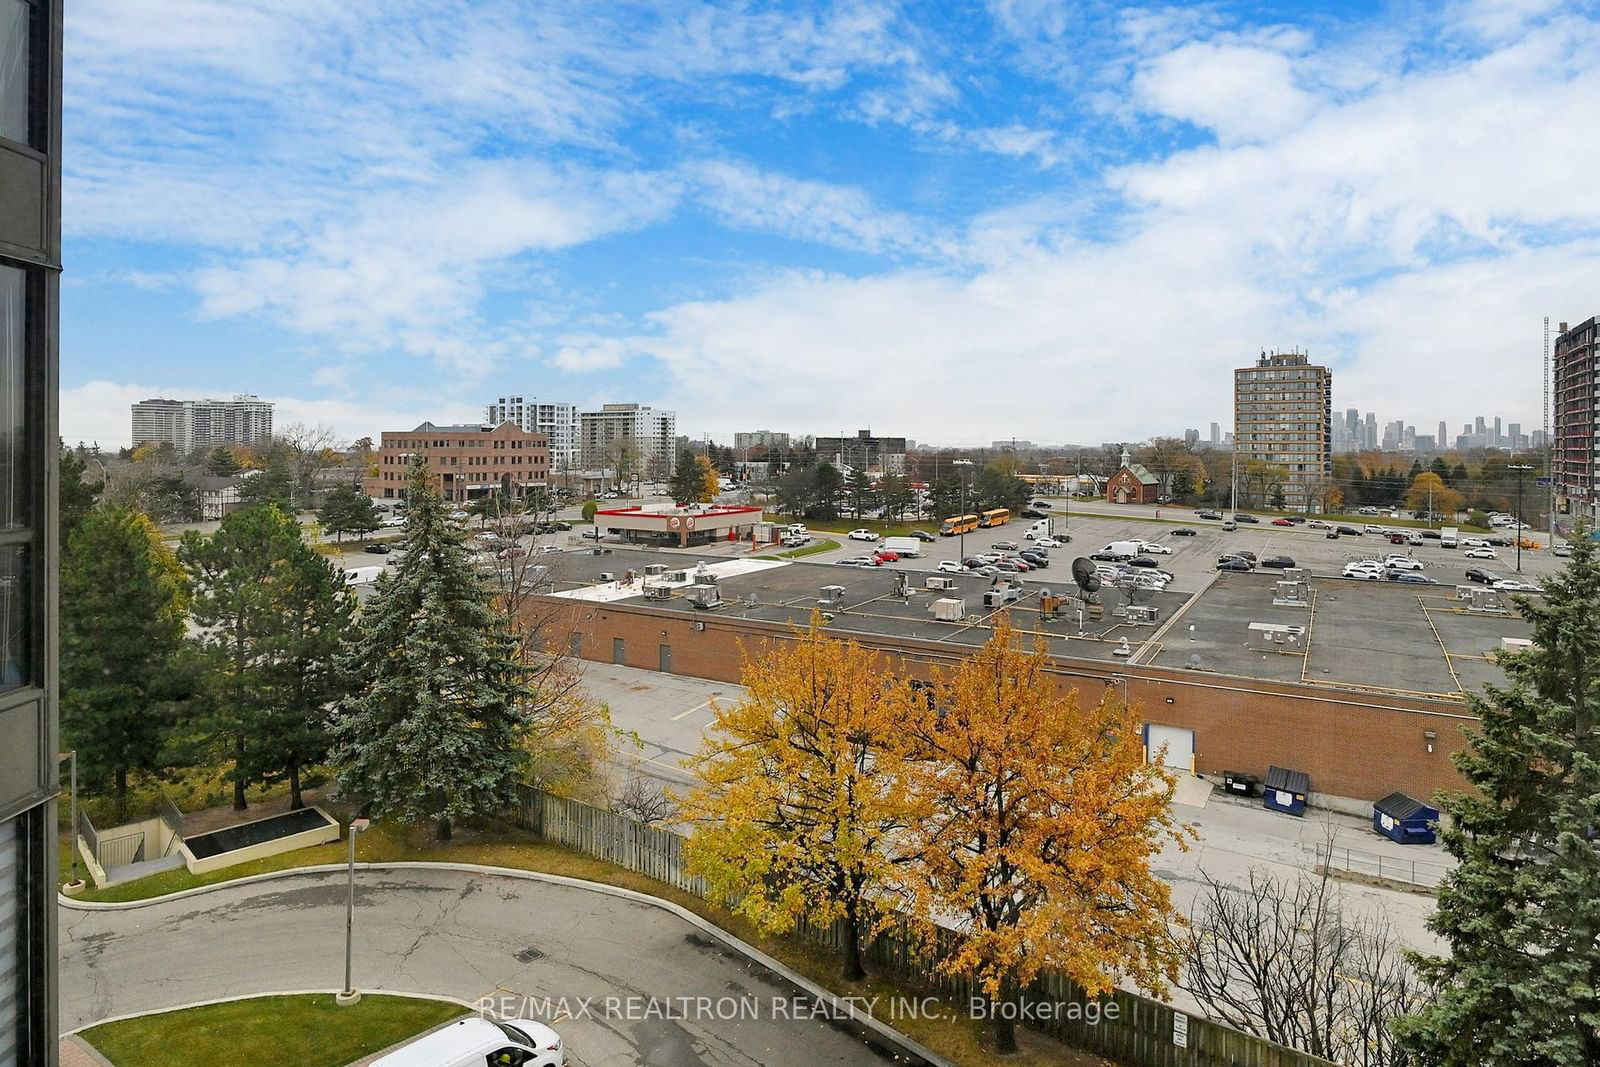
[1132,484]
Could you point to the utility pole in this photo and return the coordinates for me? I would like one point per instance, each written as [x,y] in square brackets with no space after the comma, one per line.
[964,463]
[1521,469]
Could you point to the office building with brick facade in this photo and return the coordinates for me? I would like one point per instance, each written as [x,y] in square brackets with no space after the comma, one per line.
[465,461]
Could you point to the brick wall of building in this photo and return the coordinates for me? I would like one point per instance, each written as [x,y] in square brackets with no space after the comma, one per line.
[1352,744]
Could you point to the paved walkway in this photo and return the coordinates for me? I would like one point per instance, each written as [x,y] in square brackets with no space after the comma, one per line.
[76,1052]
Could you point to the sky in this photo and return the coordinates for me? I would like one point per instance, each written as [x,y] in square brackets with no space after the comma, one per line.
[953,220]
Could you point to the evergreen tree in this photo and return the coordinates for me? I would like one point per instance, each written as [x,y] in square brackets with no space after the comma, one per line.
[685,484]
[825,495]
[122,621]
[301,677]
[435,730]
[1459,478]
[858,490]
[234,576]
[220,462]
[78,495]
[274,485]
[348,510]
[1521,912]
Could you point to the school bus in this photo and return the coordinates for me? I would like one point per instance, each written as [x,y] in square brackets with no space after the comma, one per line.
[958,524]
[996,517]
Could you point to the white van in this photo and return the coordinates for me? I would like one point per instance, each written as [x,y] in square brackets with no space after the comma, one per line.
[477,1042]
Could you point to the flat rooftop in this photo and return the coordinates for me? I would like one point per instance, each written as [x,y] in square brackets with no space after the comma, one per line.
[1378,636]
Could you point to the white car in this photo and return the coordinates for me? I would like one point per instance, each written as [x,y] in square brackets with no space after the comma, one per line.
[1154,549]
[1367,570]
[862,535]
[1048,542]
[858,561]
[1474,542]
[949,566]
[1372,528]
[1403,563]
[1318,524]
[1481,553]
[393,522]
[1561,550]
[1516,585]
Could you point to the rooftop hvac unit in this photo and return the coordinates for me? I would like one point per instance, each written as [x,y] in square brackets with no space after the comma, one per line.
[1514,644]
[1141,614]
[831,596]
[608,576]
[654,570]
[657,591]
[939,581]
[948,609]
[679,576]
[704,596]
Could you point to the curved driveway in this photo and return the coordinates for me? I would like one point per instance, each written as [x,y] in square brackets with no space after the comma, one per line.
[464,935]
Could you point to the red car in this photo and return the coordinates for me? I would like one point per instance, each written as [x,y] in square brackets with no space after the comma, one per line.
[1282,522]
[884,555]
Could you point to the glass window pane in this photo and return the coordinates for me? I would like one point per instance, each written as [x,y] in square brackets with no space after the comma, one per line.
[14,21]
[14,617]
[14,475]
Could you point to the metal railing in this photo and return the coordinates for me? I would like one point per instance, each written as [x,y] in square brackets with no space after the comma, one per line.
[171,816]
[1422,873]
[87,832]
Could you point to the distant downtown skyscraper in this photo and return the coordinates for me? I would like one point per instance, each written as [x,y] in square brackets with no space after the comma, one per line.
[1283,415]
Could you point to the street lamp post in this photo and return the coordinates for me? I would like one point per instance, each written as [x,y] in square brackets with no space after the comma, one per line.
[350,996]
[963,463]
[1521,469]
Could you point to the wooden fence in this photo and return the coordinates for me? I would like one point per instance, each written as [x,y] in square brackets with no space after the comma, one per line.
[1124,1027]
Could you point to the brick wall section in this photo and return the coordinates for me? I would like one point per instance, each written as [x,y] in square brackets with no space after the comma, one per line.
[1351,743]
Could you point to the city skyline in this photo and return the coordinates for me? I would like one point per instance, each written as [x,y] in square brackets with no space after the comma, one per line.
[816,192]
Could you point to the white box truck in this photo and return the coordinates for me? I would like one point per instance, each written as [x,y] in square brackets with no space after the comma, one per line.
[904,547]
[1449,537]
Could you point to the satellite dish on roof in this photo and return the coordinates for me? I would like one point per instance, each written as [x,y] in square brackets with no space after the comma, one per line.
[1083,572]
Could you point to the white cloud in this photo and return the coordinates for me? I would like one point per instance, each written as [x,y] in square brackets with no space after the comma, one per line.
[1240,92]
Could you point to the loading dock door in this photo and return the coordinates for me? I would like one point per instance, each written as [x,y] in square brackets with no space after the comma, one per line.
[1179,742]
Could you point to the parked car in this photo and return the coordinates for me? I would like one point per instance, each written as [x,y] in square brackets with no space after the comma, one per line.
[1106,557]
[1035,558]
[948,566]
[1318,524]
[1280,562]
[1348,531]
[1474,542]
[1184,531]
[1372,528]
[884,555]
[1243,553]
[1282,522]
[1226,556]
[1478,574]
[1496,542]
[923,535]
[1332,535]
[1051,542]
[1516,585]
[1295,520]
[1018,562]
[862,535]
[1432,535]
[1034,513]
[1403,563]
[1365,569]
[1154,549]
[511,552]
[392,522]
[1481,553]
[377,549]
[1410,578]
[1233,563]
[795,541]
[990,558]
[1010,566]
[1244,518]
[1038,503]
[1208,515]
[1230,525]
[1006,546]
[858,561]
[1562,549]
[1141,561]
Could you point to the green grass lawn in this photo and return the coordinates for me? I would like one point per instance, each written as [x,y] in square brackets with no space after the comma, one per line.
[888,529]
[308,1031]
[824,545]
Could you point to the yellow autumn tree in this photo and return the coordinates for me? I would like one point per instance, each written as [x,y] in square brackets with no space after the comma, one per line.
[1042,818]
[709,483]
[803,795]
[1428,490]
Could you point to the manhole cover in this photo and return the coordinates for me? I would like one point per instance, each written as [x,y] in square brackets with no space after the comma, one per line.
[528,955]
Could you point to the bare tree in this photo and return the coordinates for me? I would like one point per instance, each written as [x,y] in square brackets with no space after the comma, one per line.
[309,451]
[571,738]
[1284,961]
[644,800]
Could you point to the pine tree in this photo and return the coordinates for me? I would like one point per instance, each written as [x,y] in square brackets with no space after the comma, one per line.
[122,620]
[309,627]
[435,730]
[78,495]
[686,483]
[348,510]
[1521,912]
[221,462]
[235,575]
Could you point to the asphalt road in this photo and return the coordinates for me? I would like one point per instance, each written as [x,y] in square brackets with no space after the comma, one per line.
[460,935]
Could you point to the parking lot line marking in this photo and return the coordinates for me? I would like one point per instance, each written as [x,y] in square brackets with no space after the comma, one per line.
[691,711]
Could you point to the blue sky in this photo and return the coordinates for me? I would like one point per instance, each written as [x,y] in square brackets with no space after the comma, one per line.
[959,221]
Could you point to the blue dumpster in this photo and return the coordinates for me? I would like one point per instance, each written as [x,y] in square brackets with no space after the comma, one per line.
[1404,819]
[1286,791]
